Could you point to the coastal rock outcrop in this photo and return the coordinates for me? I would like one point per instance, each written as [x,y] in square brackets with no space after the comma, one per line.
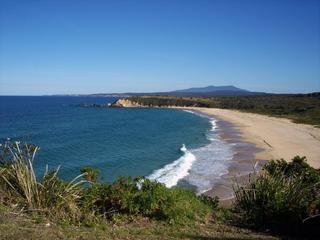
[123,102]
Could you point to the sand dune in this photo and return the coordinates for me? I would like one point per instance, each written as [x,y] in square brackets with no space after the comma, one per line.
[279,137]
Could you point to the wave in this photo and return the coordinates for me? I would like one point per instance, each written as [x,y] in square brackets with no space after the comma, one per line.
[189,111]
[212,163]
[212,120]
[183,148]
[213,124]
[200,167]
[171,173]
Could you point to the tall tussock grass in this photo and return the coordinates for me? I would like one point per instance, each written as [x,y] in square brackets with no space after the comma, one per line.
[283,197]
[20,186]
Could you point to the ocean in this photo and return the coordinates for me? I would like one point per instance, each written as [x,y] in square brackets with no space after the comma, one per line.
[175,147]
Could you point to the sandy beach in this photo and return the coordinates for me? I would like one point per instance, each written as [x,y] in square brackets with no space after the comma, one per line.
[277,137]
[262,138]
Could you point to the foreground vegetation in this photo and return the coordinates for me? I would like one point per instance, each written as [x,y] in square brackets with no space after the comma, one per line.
[88,204]
[13,226]
[283,199]
[301,108]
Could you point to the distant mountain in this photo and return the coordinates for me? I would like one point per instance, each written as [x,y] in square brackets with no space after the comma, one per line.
[211,89]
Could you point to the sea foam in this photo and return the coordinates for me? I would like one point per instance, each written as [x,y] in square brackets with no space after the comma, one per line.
[212,163]
[171,173]
[200,167]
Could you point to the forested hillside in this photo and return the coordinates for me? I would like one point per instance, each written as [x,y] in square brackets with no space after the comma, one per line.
[301,108]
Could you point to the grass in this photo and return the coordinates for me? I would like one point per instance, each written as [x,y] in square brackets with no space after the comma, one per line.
[90,174]
[18,227]
[19,185]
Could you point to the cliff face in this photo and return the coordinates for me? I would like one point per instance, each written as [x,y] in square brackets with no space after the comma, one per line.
[122,102]
[156,102]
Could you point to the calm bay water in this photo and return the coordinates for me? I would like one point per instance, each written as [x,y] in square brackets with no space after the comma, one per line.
[165,144]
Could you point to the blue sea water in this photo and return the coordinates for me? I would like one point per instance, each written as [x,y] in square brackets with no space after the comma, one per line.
[171,146]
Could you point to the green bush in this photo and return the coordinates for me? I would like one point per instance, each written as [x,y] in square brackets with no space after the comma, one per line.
[298,167]
[90,174]
[144,197]
[280,197]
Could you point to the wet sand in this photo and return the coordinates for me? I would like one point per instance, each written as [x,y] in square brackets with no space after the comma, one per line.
[243,163]
[257,139]
[277,137]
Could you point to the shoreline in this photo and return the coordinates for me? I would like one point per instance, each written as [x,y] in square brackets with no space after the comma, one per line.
[258,138]
[242,164]
[276,137]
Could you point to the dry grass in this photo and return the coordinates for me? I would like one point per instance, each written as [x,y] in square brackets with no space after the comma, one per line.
[21,188]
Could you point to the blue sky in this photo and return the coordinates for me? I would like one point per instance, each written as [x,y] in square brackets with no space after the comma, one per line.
[82,46]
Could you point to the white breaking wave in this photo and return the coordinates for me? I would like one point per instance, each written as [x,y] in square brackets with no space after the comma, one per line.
[212,161]
[171,173]
[189,111]
[183,148]
[200,167]
[213,124]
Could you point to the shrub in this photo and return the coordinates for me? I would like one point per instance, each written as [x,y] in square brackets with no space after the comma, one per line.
[298,167]
[281,197]
[144,197]
[90,174]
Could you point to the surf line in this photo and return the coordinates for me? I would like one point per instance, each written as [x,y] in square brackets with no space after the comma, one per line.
[171,173]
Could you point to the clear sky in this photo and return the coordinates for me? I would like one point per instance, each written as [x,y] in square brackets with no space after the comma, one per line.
[93,46]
